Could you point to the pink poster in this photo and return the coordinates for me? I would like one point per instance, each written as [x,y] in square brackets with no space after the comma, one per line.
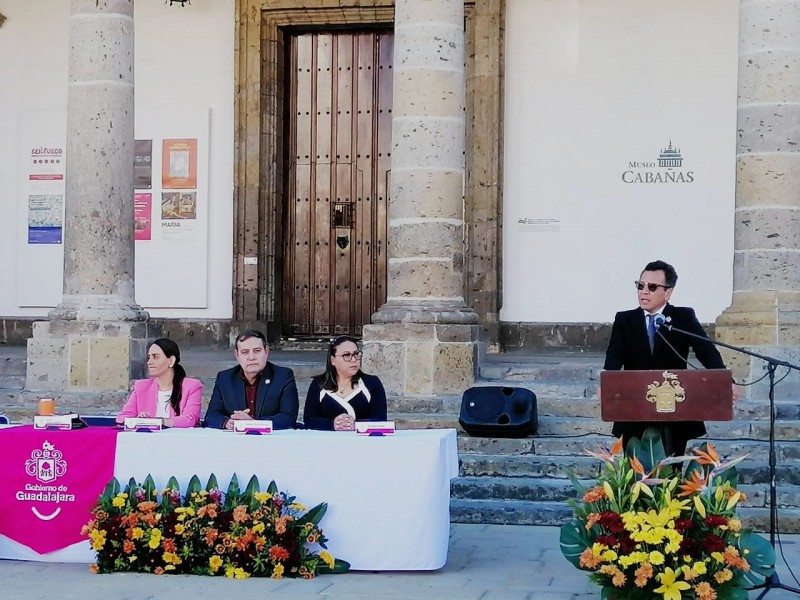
[51,481]
[143,216]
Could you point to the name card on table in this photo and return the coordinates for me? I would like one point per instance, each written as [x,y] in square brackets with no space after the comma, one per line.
[374,427]
[64,422]
[143,424]
[252,426]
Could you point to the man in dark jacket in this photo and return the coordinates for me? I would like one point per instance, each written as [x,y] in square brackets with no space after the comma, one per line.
[637,344]
[254,389]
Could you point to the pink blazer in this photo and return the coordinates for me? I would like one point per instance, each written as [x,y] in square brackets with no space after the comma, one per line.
[144,398]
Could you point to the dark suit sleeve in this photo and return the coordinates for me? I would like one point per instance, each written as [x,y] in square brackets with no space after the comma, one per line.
[615,353]
[311,411]
[288,404]
[377,403]
[705,351]
[216,415]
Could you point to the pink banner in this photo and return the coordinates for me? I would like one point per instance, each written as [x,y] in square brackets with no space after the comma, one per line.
[51,481]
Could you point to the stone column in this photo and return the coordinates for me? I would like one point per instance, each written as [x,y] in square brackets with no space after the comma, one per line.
[765,309]
[95,338]
[423,340]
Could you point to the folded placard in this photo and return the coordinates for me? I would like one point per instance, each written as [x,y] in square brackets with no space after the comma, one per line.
[53,421]
[252,426]
[374,427]
[143,424]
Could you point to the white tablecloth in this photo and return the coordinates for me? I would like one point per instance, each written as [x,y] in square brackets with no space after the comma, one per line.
[388,497]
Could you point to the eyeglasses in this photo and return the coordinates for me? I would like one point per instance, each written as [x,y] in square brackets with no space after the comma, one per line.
[652,287]
[350,356]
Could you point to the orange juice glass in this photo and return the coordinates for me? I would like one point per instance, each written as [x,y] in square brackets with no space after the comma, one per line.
[47,406]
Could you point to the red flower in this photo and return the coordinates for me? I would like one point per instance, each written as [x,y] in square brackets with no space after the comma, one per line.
[627,545]
[683,525]
[611,521]
[607,540]
[713,543]
[688,546]
[715,521]
[278,553]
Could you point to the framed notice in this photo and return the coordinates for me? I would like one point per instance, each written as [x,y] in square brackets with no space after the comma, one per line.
[179,164]
[143,164]
[143,216]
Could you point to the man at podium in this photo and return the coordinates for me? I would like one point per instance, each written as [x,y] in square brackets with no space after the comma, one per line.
[637,344]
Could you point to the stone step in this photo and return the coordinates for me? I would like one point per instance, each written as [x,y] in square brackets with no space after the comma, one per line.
[535,371]
[13,365]
[12,382]
[559,490]
[549,388]
[587,467]
[519,512]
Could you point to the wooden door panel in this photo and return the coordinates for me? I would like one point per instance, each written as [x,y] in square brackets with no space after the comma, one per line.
[339,141]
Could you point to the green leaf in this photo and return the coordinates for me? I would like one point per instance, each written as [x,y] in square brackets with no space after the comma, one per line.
[233,494]
[759,553]
[574,541]
[149,488]
[112,489]
[130,489]
[272,488]
[212,483]
[194,486]
[251,489]
[339,566]
[579,487]
[314,515]
[649,450]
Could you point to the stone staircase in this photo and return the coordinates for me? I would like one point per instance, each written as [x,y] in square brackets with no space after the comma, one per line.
[508,481]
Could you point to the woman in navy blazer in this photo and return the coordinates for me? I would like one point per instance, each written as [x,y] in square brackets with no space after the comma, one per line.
[343,394]
[168,394]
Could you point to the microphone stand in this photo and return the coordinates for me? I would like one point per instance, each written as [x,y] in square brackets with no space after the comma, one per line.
[773,581]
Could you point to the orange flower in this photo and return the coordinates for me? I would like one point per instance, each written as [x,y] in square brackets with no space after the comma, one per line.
[278,553]
[694,484]
[643,574]
[637,466]
[148,506]
[733,558]
[242,543]
[93,568]
[211,535]
[159,571]
[88,527]
[709,457]
[101,515]
[128,546]
[723,576]
[168,545]
[209,510]
[617,447]
[591,520]
[593,495]
[704,591]
[618,579]
[280,525]
[240,513]
[588,560]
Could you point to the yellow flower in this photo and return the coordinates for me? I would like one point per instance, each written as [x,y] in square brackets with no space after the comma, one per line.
[118,502]
[718,556]
[723,576]
[179,529]
[327,558]
[698,504]
[155,538]
[609,492]
[214,563]
[258,528]
[236,573]
[699,567]
[138,533]
[609,556]
[733,500]
[171,558]
[734,524]
[277,572]
[656,558]
[262,496]
[670,588]
[298,506]
[98,538]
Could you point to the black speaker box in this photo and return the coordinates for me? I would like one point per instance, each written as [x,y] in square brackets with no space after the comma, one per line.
[496,411]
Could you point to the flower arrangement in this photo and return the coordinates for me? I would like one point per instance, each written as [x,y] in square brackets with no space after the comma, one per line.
[649,530]
[205,532]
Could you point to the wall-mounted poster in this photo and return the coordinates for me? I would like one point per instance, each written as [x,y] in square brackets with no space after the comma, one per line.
[143,164]
[178,215]
[45,218]
[143,216]
[179,164]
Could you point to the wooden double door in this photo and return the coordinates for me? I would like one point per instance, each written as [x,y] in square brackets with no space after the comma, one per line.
[338,141]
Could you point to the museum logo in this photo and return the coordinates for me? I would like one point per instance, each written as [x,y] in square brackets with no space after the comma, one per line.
[667,169]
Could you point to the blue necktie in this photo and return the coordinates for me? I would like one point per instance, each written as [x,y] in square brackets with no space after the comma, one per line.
[651,330]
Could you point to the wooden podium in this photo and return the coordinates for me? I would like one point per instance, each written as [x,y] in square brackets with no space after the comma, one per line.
[666,395]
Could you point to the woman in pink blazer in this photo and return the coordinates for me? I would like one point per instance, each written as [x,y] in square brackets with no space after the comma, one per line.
[168,394]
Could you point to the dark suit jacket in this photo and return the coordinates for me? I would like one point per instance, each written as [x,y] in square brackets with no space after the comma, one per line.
[320,413]
[276,397]
[629,349]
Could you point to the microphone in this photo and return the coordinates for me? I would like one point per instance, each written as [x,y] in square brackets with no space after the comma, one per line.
[662,322]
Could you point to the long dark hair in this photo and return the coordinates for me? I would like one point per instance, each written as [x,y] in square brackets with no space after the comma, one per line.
[331,381]
[171,349]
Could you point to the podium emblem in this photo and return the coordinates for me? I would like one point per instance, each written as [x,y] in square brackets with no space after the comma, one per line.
[666,394]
